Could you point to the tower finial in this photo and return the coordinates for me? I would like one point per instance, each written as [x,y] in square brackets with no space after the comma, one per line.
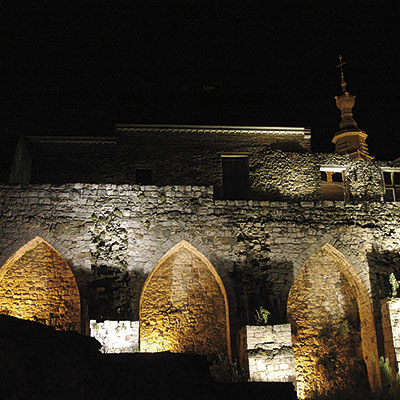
[343,83]
[349,139]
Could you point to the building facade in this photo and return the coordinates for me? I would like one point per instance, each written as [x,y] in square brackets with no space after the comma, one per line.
[190,229]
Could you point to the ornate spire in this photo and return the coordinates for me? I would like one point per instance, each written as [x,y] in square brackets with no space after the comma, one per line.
[349,139]
[345,102]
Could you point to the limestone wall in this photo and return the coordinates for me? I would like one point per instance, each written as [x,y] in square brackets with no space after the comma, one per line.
[116,336]
[112,236]
[280,168]
[330,324]
[183,306]
[391,332]
[269,352]
[37,284]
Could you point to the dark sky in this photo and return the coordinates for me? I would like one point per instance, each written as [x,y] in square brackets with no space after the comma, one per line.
[77,70]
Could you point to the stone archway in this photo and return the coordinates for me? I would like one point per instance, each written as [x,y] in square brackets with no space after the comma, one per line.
[184,306]
[333,327]
[38,285]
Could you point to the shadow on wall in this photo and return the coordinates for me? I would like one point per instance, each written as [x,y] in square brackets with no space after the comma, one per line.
[381,264]
[114,294]
[261,283]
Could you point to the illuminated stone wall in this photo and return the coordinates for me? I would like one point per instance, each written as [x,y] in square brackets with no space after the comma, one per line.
[116,336]
[280,166]
[391,333]
[112,237]
[37,284]
[183,306]
[268,353]
[323,310]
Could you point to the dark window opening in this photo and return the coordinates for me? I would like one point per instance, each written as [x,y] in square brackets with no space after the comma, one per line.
[143,176]
[332,185]
[392,185]
[235,177]
[337,177]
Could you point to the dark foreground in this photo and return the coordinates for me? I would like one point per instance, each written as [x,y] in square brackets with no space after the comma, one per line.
[37,362]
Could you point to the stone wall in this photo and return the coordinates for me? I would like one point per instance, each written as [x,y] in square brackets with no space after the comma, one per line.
[116,336]
[280,167]
[184,307]
[112,237]
[324,308]
[391,333]
[37,284]
[269,353]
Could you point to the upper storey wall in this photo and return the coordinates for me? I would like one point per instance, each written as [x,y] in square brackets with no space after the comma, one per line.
[278,164]
[180,155]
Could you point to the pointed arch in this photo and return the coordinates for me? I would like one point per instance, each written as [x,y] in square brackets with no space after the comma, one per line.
[37,284]
[184,305]
[327,293]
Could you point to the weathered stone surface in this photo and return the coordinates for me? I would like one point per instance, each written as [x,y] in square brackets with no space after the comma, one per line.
[38,285]
[323,310]
[184,306]
[257,247]
[391,333]
[280,165]
[116,336]
[269,353]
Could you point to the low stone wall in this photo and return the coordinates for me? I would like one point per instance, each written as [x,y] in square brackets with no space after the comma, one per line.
[391,332]
[116,336]
[269,352]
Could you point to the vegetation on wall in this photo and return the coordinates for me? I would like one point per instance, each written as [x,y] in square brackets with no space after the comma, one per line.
[261,316]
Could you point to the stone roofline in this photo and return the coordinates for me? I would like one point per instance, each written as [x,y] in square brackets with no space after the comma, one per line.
[141,128]
[72,139]
[270,130]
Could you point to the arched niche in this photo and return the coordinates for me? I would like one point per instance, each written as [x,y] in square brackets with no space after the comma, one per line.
[184,306]
[38,285]
[333,330]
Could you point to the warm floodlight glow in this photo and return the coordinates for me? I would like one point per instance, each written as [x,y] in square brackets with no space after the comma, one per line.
[183,306]
[38,285]
[330,343]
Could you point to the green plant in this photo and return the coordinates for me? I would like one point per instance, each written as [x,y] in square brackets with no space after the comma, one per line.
[386,371]
[394,283]
[262,316]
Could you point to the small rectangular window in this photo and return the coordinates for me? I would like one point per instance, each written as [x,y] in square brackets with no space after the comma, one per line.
[235,177]
[143,176]
[332,185]
[391,181]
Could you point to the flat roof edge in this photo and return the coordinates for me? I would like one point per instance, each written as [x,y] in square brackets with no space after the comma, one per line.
[293,130]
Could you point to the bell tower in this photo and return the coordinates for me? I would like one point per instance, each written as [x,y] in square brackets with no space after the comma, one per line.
[349,139]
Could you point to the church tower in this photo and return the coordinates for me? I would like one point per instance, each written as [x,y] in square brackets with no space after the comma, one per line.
[349,139]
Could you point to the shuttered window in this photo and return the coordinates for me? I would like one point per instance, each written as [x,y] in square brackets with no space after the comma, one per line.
[235,177]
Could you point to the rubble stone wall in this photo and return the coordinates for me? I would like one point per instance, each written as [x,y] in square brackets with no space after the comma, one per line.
[112,237]
[183,306]
[270,353]
[116,336]
[391,332]
[37,284]
[279,168]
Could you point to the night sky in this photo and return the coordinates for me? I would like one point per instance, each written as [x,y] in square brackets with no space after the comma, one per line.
[78,71]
